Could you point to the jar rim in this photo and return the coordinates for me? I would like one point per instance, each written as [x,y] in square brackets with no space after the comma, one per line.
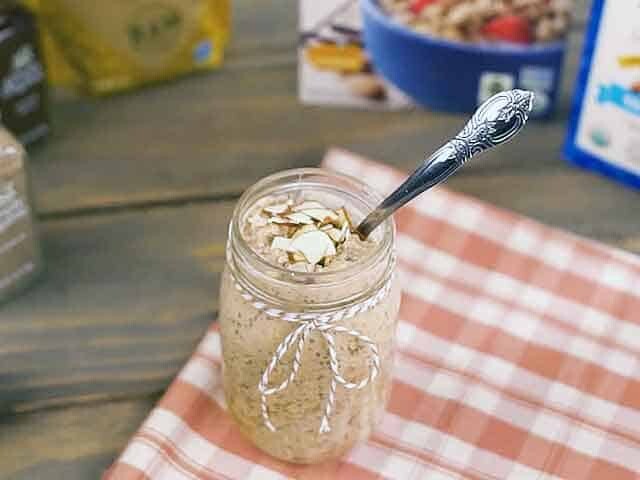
[277,184]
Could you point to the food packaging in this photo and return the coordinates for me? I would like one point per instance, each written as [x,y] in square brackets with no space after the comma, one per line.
[20,256]
[23,89]
[104,47]
[604,130]
[334,67]
[446,55]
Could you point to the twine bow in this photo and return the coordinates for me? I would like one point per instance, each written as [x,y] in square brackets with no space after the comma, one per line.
[327,326]
[298,337]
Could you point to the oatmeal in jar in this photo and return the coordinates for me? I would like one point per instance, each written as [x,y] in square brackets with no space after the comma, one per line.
[307,316]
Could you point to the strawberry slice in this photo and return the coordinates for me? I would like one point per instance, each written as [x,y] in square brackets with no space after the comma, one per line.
[508,28]
[418,5]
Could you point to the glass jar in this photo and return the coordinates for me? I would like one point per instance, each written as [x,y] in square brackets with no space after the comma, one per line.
[307,357]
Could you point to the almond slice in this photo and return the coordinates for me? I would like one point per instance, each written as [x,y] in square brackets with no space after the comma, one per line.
[327,227]
[297,257]
[300,218]
[345,233]
[335,234]
[344,218]
[280,221]
[276,209]
[323,215]
[307,205]
[281,243]
[331,250]
[314,246]
[304,229]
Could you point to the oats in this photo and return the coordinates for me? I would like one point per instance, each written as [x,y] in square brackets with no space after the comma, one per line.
[302,266]
[323,215]
[300,218]
[258,221]
[276,209]
[308,205]
[314,246]
[281,243]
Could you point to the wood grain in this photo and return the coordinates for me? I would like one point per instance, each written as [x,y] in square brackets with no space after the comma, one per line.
[125,299]
[72,444]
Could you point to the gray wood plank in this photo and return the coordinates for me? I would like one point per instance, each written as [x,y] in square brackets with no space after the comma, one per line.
[72,444]
[122,304]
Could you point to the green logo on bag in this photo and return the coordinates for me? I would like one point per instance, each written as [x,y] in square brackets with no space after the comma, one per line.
[156,27]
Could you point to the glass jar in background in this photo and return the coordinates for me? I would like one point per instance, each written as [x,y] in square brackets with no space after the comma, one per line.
[307,357]
[20,257]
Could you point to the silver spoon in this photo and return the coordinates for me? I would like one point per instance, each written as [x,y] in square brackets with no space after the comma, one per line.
[496,121]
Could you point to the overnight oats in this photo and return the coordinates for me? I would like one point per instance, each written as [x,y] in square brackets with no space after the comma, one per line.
[307,315]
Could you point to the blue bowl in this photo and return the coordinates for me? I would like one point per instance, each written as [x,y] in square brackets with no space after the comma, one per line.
[455,76]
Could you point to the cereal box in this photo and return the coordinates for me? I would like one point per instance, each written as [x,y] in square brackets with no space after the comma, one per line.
[334,67]
[604,132]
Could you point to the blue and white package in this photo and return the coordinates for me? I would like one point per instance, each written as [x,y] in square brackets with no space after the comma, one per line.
[604,130]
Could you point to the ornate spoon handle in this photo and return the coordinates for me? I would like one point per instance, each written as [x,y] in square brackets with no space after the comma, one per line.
[496,121]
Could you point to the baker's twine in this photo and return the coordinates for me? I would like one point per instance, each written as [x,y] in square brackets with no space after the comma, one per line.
[326,325]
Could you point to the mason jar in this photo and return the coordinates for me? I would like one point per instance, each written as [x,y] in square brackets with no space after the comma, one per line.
[307,357]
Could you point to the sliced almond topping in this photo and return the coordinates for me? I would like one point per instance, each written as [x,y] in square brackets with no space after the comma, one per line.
[280,221]
[327,227]
[277,209]
[313,245]
[281,243]
[304,229]
[331,250]
[297,257]
[323,215]
[300,218]
[344,218]
[345,233]
[327,261]
[308,205]
[335,234]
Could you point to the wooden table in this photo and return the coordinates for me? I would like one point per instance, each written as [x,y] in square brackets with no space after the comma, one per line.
[134,193]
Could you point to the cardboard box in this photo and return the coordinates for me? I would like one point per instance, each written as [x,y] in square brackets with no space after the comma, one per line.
[333,66]
[604,130]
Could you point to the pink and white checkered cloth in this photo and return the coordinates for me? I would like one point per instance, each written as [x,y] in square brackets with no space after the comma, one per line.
[518,357]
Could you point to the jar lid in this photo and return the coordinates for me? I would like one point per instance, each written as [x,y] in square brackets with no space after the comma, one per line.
[11,155]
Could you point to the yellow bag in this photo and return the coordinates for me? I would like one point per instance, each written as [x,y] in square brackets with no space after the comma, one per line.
[107,46]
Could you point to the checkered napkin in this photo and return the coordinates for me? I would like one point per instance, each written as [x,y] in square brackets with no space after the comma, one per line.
[518,357]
